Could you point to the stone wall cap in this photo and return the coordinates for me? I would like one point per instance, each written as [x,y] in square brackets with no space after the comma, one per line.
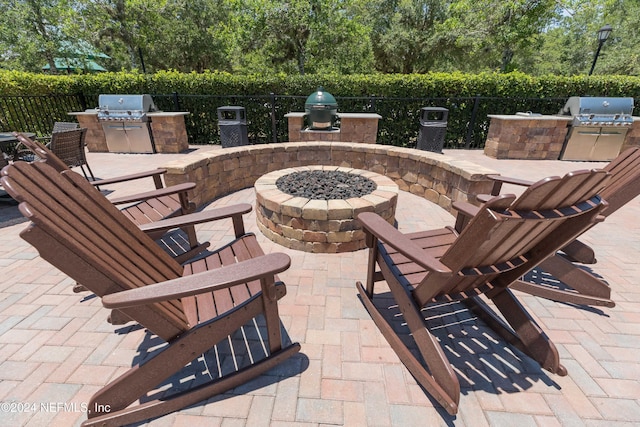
[359,115]
[83,113]
[167,113]
[345,115]
[519,117]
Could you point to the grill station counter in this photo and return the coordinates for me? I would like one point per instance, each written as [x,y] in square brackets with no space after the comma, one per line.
[598,129]
[585,129]
[132,124]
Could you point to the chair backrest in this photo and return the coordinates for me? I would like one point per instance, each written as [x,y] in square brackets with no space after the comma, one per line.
[62,126]
[76,229]
[42,152]
[510,235]
[625,180]
[68,146]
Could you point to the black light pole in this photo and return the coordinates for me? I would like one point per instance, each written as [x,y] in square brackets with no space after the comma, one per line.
[603,35]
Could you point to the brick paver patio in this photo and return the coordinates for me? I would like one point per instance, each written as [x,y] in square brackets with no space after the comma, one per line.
[56,348]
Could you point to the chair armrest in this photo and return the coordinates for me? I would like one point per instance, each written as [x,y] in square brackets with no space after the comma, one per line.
[246,271]
[499,180]
[376,225]
[510,180]
[165,191]
[153,173]
[198,218]
[466,208]
[466,211]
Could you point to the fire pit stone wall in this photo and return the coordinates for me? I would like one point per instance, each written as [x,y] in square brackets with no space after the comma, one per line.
[436,177]
[315,225]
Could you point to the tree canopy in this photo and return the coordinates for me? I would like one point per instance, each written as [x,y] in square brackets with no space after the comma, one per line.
[537,37]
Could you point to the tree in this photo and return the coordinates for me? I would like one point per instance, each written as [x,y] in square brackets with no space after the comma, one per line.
[161,34]
[492,32]
[570,42]
[405,34]
[30,32]
[325,36]
[302,36]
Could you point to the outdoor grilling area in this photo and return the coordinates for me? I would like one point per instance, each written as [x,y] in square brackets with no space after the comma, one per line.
[132,124]
[321,121]
[585,129]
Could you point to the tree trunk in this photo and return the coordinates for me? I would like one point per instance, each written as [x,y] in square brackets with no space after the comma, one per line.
[507,56]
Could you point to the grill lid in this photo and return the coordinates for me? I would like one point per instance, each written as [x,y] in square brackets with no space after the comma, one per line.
[124,107]
[320,99]
[597,105]
[599,111]
[114,102]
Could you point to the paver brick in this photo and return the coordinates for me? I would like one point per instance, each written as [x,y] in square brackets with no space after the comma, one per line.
[55,344]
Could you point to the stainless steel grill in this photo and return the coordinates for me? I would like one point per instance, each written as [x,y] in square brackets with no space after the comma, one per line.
[125,122]
[598,128]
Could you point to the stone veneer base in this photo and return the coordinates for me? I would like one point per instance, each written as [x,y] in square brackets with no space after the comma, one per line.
[320,226]
[537,137]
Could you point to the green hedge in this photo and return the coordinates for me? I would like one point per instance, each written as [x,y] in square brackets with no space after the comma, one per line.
[432,85]
[397,98]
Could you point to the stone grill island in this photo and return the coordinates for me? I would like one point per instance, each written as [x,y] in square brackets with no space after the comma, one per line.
[313,208]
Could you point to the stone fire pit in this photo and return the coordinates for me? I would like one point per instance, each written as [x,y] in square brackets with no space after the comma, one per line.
[313,208]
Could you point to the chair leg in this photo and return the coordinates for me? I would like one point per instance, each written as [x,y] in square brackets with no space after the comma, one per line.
[93,178]
[579,252]
[526,334]
[579,279]
[191,236]
[586,288]
[178,401]
[440,380]
[109,405]
[560,295]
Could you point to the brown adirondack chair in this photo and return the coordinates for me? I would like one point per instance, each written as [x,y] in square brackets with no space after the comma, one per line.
[584,287]
[142,208]
[192,307]
[506,237]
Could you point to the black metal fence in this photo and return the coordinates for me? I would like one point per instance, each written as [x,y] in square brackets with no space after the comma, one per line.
[467,124]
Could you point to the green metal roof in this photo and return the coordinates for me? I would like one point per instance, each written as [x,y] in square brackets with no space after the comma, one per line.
[72,64]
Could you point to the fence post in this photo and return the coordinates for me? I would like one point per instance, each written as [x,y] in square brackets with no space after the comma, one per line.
[472,122]
[176,101]
[83,101]
[274,122]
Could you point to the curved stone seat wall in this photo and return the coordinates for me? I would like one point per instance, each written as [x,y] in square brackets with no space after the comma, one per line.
[436,177]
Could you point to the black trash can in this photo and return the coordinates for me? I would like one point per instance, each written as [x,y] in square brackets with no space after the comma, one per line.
[433,127]
[232,122]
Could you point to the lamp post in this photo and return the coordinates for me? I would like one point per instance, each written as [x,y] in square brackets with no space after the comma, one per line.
[603,35]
